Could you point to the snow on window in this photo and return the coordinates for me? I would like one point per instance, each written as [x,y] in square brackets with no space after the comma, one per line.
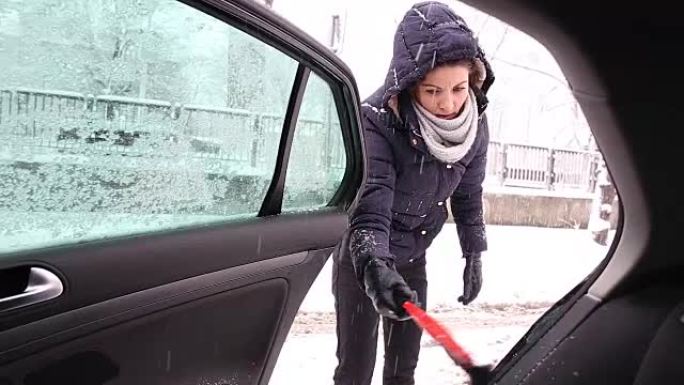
[131,117]
[318,159]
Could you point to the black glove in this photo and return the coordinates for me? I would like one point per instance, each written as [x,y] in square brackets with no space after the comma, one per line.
[387,289]
[472,278]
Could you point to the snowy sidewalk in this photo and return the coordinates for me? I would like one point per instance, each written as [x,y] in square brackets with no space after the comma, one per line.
[523,264]
[524,268]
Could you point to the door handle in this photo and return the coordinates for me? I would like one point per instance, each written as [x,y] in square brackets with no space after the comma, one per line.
[43,285]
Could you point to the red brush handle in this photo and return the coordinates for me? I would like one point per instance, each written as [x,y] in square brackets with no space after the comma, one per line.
[440,334]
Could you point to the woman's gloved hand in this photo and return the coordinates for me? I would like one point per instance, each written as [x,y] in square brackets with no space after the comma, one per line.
[472,278]
[387,289]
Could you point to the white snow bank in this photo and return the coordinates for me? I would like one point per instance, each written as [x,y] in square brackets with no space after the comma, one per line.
[523,264]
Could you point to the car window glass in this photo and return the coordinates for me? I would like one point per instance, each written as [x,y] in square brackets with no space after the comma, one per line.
[122,117]
[317,161]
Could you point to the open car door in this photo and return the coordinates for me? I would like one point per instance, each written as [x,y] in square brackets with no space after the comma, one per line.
[173,176]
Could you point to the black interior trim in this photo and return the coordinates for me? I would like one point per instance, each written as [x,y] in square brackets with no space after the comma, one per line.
[36,336]
[52,340]
[98,271]
[14,280]
[608,346]
[213,337]
[539,344]
[273,202]
[354,169]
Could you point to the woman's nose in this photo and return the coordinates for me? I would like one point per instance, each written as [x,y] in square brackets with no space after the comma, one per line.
[446,103]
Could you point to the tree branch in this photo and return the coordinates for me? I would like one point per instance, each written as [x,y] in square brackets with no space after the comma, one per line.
[554,77]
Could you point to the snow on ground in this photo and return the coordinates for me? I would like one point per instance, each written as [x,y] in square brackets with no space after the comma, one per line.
[311,358]
[525,270]
[523,264]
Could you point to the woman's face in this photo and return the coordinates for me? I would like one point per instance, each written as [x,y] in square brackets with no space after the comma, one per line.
[444,90]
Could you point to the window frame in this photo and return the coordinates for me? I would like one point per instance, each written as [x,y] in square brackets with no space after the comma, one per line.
[308,53]
[270,29]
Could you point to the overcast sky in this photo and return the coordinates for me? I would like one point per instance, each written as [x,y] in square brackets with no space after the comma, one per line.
[530,100]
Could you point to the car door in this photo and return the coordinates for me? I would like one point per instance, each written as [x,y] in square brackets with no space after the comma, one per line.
[175,175]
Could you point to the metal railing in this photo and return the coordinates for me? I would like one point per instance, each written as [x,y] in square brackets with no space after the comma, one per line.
[520,165]
[87,122]
[114,123]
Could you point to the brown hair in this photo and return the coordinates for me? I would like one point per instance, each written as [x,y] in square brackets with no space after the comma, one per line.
[476,67]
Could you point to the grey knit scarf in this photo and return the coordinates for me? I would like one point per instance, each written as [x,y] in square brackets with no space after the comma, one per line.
[449,140]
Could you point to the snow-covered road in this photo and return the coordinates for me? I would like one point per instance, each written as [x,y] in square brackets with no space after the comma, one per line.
[525,270]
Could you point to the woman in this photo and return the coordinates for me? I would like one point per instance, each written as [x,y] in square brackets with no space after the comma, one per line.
[426,140]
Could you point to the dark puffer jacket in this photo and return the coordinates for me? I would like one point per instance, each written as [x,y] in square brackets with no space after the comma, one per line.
[403,205]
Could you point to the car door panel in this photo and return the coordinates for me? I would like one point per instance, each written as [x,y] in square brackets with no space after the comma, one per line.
[201,304]
[245,307]
[180,344]
[608,346]
[238,286]
[101,271]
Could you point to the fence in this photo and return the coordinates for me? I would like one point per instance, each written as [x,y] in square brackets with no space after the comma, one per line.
[529,166]
[52,118]
[87,122]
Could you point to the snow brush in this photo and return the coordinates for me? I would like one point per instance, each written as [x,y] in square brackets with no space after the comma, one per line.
[479,375]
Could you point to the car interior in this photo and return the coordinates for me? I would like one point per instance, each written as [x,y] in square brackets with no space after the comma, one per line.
[213,302]
[623,324]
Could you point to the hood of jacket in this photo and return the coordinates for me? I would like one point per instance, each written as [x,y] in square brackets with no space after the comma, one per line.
[431,34]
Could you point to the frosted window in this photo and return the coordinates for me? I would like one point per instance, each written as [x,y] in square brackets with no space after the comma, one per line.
[318,159]
[125,116]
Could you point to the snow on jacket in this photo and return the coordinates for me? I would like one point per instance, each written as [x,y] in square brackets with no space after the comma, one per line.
[403,204]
